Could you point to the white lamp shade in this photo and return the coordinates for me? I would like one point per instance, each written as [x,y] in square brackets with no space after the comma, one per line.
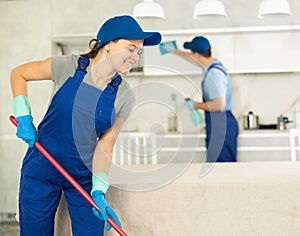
[148,9]
[274,7]
[209,7]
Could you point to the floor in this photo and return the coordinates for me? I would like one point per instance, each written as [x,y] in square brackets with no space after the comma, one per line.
[9,229]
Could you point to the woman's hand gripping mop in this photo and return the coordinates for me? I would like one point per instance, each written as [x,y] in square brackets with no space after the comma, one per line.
[71,180]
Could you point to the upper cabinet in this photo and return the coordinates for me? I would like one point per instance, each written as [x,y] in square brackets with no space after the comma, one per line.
[272,51]
[241,50]
[155,64]
[259,49]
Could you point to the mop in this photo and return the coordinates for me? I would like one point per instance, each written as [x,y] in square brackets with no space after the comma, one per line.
[71,180]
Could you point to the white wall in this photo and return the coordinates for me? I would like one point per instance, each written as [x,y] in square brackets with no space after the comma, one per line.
[24,36]
[267,95]
[26,28]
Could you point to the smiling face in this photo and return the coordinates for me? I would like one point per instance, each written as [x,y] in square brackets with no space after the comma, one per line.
[123,54]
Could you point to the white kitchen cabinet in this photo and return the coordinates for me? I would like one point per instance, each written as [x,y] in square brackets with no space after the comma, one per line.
[144,148]
[242,50]
[263,145]
[267,51]
[157,64]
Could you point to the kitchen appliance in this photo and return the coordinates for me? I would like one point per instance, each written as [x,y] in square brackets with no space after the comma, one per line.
[281,122]
[268,126]
[251,121]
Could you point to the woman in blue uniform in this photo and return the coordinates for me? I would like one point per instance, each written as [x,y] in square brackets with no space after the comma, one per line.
[79,129]
[221,125]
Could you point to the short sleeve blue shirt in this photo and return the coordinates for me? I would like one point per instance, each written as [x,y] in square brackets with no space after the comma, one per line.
[216,83]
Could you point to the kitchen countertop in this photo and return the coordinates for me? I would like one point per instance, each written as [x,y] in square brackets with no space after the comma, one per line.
[264,133]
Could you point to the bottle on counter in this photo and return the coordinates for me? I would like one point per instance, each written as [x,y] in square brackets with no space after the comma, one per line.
[172,121]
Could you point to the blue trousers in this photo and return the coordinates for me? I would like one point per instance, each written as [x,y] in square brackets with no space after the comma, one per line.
[221,136]
[37,208]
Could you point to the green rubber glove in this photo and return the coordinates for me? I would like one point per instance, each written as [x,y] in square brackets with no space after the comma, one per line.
[21,106]
[189,103]
[100,185]
[105,208]
[195,115]
[100,182]
[25,130]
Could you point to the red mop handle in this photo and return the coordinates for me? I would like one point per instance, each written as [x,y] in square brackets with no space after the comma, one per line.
[71,180]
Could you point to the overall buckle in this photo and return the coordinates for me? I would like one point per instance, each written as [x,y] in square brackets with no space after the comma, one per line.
[83,62]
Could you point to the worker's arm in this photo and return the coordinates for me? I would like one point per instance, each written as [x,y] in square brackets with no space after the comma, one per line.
[20,75]
[188,56]
[217,104]
[171,47]
[103,152]
[40,70]
[101,163]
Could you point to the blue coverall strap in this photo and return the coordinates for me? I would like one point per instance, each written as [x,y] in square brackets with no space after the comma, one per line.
[114,84]
[83,63]
[219,66]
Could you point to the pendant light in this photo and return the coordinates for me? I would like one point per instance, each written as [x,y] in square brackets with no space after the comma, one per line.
[208,7]
[274,8]
[148,9]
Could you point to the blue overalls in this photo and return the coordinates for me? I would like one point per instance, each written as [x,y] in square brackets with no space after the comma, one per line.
[76,118]
[221,131]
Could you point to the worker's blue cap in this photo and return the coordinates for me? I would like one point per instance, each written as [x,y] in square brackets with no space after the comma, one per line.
[199,44]
[125,27]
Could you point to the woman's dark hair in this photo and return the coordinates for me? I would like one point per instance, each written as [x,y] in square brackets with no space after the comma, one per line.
[93,45]
[207,53]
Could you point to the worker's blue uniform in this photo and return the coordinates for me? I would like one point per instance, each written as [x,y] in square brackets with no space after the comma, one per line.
[221,127]
[77,116]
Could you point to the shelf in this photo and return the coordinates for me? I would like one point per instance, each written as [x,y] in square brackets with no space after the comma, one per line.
[242,134]
[72,39]
[193,73]
[250,29]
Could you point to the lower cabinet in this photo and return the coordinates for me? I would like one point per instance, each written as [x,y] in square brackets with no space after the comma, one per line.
[138,148]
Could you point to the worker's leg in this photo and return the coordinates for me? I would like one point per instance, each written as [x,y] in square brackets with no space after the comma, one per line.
[62,219]
[83,221]
[229,149]
[37,205]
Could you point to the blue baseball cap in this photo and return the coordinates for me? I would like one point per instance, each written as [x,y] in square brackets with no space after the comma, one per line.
[125,27]
[199,44]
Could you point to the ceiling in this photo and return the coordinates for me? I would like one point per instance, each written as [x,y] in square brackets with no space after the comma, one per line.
[240,13]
